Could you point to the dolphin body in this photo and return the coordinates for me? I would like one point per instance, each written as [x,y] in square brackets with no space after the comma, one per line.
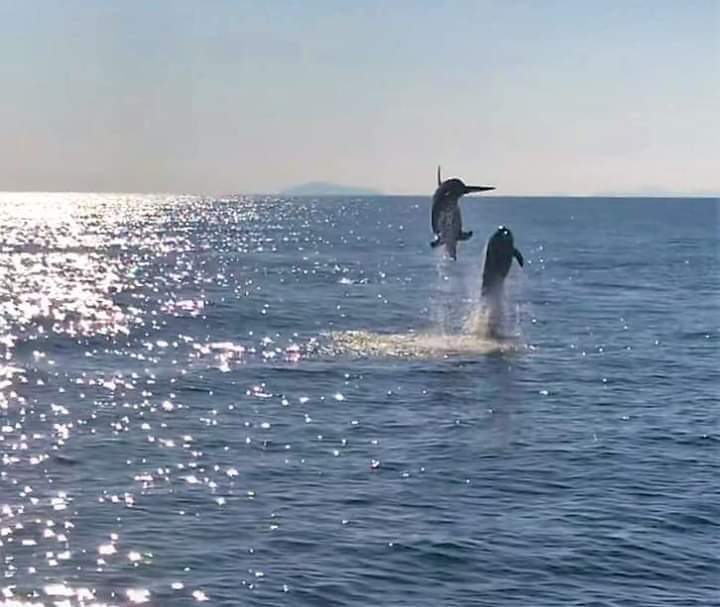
[498,259]
[446,218]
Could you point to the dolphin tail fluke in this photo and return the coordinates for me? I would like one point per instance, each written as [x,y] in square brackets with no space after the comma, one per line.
[438,175]
[465,235]
[519,257]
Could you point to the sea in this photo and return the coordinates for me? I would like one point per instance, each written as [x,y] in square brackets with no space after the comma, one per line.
[251,400]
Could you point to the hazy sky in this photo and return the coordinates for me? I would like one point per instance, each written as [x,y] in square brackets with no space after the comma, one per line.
[535,96]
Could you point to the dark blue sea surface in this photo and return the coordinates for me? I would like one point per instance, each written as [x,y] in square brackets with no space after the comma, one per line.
[264,401]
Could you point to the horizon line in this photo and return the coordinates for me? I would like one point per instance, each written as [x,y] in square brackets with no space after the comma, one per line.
[377,195]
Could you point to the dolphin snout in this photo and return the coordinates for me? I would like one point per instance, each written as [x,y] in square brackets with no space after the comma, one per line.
[478,188]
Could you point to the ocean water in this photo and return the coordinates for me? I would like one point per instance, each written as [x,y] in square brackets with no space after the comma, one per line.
[259,401]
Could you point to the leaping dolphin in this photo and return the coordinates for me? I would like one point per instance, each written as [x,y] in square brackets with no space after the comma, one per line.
[498,259]
[446,217]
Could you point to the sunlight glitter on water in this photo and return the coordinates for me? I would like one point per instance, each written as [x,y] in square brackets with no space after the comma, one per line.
[65,263]
[209,401]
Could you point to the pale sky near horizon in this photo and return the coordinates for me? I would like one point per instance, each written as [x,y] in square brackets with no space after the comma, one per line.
[533,96]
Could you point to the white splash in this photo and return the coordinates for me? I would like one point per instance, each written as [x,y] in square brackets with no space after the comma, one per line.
[486,325]
[419,345]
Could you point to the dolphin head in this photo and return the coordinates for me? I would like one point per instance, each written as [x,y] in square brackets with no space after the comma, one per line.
[499,254]
[455,188]
[503,234]
[502,246]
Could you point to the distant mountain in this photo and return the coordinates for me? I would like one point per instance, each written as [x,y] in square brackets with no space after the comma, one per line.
[321,188]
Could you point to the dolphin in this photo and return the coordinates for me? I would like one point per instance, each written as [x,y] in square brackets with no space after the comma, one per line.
[498,259]
[445,217]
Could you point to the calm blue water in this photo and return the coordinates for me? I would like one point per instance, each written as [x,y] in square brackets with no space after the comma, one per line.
[274,402]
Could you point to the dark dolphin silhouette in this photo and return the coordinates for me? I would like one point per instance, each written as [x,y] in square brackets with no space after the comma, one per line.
[498,259]
[446,218]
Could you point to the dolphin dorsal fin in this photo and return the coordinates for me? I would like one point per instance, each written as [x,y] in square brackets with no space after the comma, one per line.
[439,178]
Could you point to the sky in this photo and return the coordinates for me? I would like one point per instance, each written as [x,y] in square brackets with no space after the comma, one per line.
[532,96]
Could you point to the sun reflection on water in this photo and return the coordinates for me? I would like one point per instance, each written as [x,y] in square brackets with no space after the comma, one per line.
[96,276]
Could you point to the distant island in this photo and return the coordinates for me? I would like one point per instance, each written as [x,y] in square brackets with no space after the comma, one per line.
[321,188]
[651,192]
